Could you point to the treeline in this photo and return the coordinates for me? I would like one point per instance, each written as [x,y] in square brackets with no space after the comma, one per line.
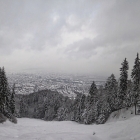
[93,108]
[7,99]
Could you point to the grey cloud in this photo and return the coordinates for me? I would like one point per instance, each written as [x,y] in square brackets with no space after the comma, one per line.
[36,18]
[117,25]
[36,25]
[82,48]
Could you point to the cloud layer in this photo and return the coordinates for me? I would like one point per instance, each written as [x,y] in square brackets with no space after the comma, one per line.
[68,36]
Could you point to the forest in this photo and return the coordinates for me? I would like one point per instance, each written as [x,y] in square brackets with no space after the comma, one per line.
[92,108]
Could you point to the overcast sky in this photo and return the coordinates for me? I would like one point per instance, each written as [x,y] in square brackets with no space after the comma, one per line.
[69,36]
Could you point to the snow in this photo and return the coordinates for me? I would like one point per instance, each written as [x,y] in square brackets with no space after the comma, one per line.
[34,129]
[122,114]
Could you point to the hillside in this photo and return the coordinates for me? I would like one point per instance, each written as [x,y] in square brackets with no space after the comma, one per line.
[33,129]
[122,114]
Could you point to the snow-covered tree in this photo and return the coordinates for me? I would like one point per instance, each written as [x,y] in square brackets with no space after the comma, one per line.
[5,97]
[111,91]
[93,91]
[22,109]
[111,83]
[62,113]
[135,75]
[90,113]
[123,79]
[12,100]
[80,108]
[2,99]
[4,91]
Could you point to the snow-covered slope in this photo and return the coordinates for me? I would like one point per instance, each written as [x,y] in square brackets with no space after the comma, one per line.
[122,114]
[32,129]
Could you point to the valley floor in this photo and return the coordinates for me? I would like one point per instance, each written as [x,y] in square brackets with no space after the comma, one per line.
[33,129]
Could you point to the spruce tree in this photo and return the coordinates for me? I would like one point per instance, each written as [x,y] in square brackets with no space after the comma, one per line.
[93,89]
[22,108]
[80,108]
[123,80]
[135,75]
[5,96]
[90,104]
[12,100]
[1,95]
[111,83]
[93,93]
[4,92]
[111,91]
[130,100]
[90,113]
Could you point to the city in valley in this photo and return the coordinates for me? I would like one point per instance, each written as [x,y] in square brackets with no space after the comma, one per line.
[68,85]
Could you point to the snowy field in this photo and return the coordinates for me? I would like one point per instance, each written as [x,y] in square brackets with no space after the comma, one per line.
[33,129]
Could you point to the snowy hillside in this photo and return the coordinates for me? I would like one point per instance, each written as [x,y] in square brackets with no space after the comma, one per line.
[32,129]
[122,114]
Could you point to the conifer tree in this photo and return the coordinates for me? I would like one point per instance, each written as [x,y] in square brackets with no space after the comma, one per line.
[90,113]
[12,100]
[80,108]
[123,80]
[93,93]
[22,108]
[5,96]
[135,75]
[1,95]
[90,104]
[103,111]
[130,99]
[111,83]
[93,89]
[82,101]
[4,90]
[111,91]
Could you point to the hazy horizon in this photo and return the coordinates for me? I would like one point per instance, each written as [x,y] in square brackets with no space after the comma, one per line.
[69,36]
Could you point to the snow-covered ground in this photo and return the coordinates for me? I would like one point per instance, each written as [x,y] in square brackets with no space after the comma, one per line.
[33,129]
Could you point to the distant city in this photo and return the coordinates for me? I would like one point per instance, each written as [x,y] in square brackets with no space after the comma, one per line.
[68,85]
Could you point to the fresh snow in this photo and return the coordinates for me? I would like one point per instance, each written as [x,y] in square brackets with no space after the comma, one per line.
[122,114]
[34,129]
